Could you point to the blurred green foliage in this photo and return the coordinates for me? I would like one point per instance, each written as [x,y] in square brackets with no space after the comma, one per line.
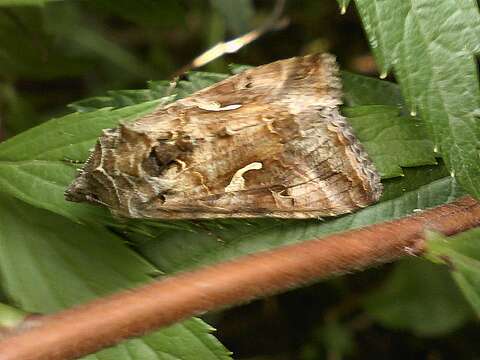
[462,258]
[68,50]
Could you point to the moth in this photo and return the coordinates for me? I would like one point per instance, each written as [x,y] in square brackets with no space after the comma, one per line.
[268,142]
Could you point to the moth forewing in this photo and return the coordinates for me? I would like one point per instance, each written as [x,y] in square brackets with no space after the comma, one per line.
[268,142]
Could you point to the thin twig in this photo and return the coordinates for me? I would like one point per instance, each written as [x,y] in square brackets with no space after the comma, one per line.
[104,322]
[274,22]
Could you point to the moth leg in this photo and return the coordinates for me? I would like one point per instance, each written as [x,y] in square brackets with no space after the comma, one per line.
[73,161]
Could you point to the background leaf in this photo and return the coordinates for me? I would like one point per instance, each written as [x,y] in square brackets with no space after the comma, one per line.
[391,141]
[35,167]
[74,264]
[165,90]
[431,46]
[418,297]
[364,90]
[335,338]
[461,254]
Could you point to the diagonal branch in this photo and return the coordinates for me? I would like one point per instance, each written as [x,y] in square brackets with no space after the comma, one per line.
[274,22]
[104,322]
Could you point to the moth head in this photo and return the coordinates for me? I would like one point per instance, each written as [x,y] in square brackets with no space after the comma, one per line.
[88,186]
[124,170]
[81,191]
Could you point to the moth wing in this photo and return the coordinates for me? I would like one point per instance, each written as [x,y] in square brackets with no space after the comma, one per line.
[266,161]
[302,81]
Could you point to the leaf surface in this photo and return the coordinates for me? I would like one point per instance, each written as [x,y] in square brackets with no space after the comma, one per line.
[418,297]
[461,254]
[392,141]
[431,45]
[36,167]
[48,263]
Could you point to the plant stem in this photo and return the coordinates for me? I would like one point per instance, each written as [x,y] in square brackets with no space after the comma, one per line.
[88,328]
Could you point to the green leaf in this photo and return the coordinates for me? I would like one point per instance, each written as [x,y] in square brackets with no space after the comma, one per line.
[215,241]
[391,141]
[431,45]
[70,136]
[42,184]
[72,262]
[33,165]
[419,297]
[461,254]
[48,263]
[163,90]
[11,317]
[188,340]
[364,90]
[94,103]
[415,178]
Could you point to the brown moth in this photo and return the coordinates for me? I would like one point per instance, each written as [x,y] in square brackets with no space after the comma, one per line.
[268,142]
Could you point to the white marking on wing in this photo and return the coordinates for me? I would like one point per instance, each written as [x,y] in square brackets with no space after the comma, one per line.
[238,182]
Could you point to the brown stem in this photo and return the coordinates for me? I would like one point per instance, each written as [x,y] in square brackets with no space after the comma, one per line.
[104,322]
